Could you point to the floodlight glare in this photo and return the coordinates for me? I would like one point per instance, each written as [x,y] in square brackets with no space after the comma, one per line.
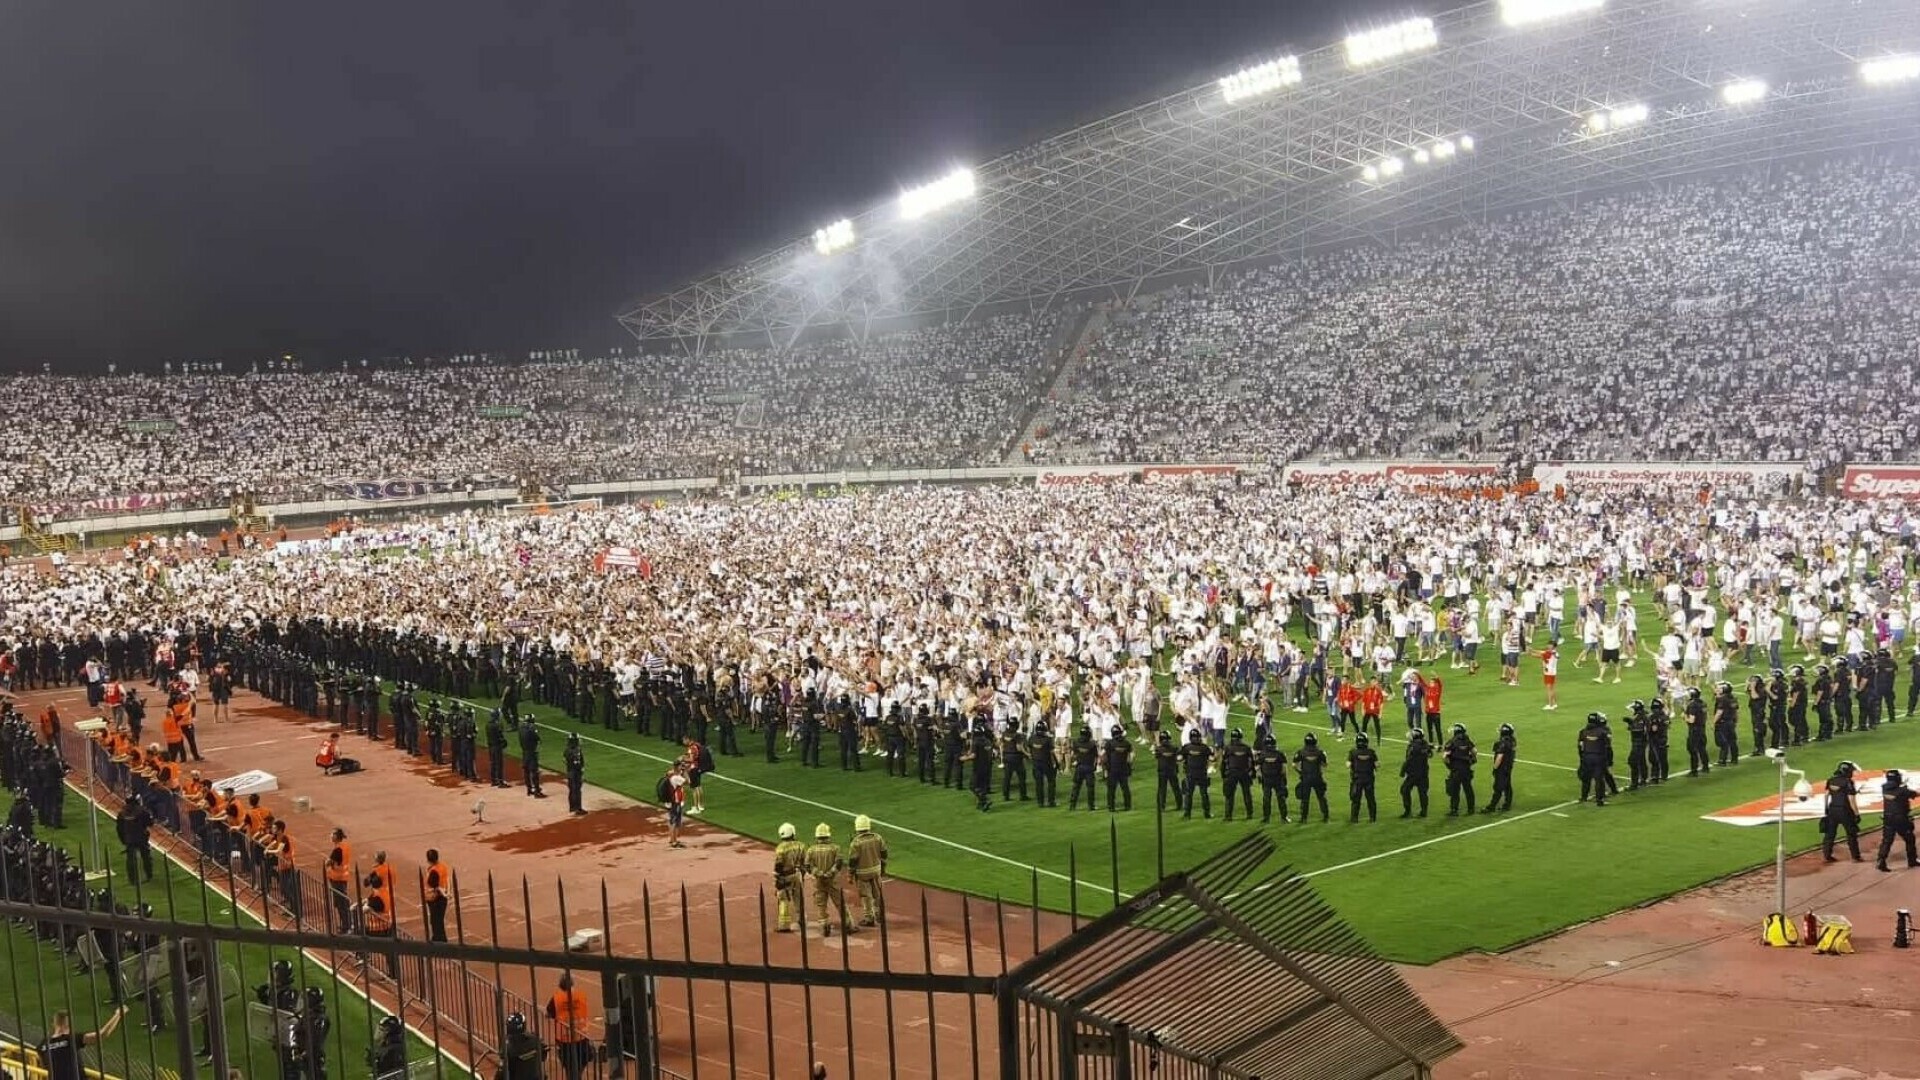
[1443,149]
[1743,92]
[1420,157]
[1387,42]
[923,200]
[1260,79]
[1614,119]
[1392,166]
[1527,12]
[1466,143]
[1370,173]
[1890,69]
[835,237]
[1597,122]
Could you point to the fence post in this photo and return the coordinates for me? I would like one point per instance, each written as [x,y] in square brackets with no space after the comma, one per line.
[183,1027]
[216,1009]
[1007,1004]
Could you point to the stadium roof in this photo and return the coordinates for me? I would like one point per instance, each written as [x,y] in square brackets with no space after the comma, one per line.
[1196,181]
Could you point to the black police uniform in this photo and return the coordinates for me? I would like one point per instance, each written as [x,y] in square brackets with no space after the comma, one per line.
[1840,816]
[496,750]
[1236,774]
[1117,756]
[980,744]
[1696,719]
[1896,820]
[1504,749]
[1595,748]
[1797,708]
[1195,758]
[1046,769]
[1362,762]
[1822,691]
[1414,773]
[1658,724]
[530,757]
[1085,757]
[923,745]
[1271,762]
[1310,765]
[1166,764]
[1013,764]
[1637,773]
[1460,755]
[1757,713]
[576,761]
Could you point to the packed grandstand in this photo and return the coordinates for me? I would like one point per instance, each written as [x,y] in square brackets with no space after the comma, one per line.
[1767,315]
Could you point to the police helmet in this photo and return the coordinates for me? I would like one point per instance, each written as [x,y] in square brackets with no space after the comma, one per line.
[1459,730]
[787,831]
[1883,654]
[1086,734]
[1237,735]
[145,910]
[1267,741]
[1166,736]
[516,1024]
[823,831]
[1894,779]
[1840,662]
[1506,729]
[1312,739]
[863,823]
[1635,706]
[1797,671]
[1116,732]
[390,1028]
[1359,741]
[1194,735]
[1595,719]
[1693,693]
[1416,736]
[1846,768]
[1778,674]
[316,997]
[1823,671]
[1725,687]
[282,972]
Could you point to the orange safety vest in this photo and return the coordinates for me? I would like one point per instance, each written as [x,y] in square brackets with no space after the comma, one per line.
[439,882]
[384,871]
[283,860]
[340,864]
[379,914]
[170,726]
[257,819]
[568,1008]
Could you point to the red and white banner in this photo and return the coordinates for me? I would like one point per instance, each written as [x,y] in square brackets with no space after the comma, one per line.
[1736,475]
[1167,474]
[1766,809]
[134,503]
[1407,474]
[1881,482]
[623,558]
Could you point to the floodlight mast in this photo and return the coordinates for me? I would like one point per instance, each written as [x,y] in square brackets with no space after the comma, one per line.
[1394,39]
[1529,12]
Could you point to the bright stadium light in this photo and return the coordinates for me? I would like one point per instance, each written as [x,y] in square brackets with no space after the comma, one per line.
[1387,42]
[923,200]
[1466,143]
[1370,173]
[835,237]
[1421,157]
[1528,12]
[1743,92]
[1889,69]
[1260,79]
[1443,149]
[1392,166]
[1614,119]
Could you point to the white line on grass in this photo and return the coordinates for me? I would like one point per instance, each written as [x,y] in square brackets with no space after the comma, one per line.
[894,825]
[1436,840]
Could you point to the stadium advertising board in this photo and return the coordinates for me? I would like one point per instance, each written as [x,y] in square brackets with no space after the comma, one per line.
[1578,475]
[1167,474]
[395,489]
[1408,474]
[1881,482]
[501,412]
[1068,476]
[133,503]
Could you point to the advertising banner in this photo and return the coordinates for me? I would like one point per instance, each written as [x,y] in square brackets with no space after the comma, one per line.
[1881,482]
[1588,475]
[1408,474]
[1163,474]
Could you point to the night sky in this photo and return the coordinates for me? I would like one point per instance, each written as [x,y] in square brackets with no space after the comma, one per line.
[226,180]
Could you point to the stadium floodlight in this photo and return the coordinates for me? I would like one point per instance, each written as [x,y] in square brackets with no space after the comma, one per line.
[1443,149]
[918,202]
[1387,42]
[1743,92]
[1370,173]
[835,237]
[1421,157]
[1889,69]
[1528,12]
[1614,119]
[1260,79]
[1392,166]
[1466,143]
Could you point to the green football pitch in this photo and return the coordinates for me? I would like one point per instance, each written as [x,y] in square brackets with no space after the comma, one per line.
[1418,889]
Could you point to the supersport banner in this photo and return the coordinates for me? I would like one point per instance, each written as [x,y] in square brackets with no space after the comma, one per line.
[1881,482]
[1168,474]
[1407,474]
[1738,475]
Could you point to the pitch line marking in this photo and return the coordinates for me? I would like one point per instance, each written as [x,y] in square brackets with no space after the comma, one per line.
[1441,839]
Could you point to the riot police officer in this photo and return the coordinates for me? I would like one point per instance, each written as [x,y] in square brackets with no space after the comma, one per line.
[980,746]
[1595,748]
[436,733]
[1117,759]
[1797,704]
[1310,765]
[1362,761]
[1013,763]
[530,755]
[1046,767]
[523,1055]
[1659,722]
[1695,711]
[1196,759]
[1460,755]
[1896,821]
[1842,813]
[1822,691]
[1085,757]
[1638,775]
[1236,772]
[1166,763]
[1414,775]
[496,750]
[1504,749]
[1271,762]
[953,748]
[576,762]
[1726,721]
[1777,708]
[923,744]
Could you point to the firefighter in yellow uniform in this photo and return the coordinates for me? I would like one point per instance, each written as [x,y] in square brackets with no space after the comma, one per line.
[867,857]
[789,866]
[823,865]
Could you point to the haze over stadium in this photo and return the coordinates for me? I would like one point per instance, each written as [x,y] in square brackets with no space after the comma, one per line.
[1523,393]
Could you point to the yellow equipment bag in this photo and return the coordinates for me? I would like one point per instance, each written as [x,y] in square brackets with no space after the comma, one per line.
[1836,937]
[1780,932]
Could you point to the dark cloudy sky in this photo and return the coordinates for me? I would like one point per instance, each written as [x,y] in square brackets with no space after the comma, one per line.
[220,179]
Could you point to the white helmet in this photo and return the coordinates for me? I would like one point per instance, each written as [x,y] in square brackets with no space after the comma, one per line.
[863,823]
[787,831]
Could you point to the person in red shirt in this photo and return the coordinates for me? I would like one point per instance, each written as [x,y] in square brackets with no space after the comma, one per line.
[1430,687]
[1347,702]
[1372,700]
